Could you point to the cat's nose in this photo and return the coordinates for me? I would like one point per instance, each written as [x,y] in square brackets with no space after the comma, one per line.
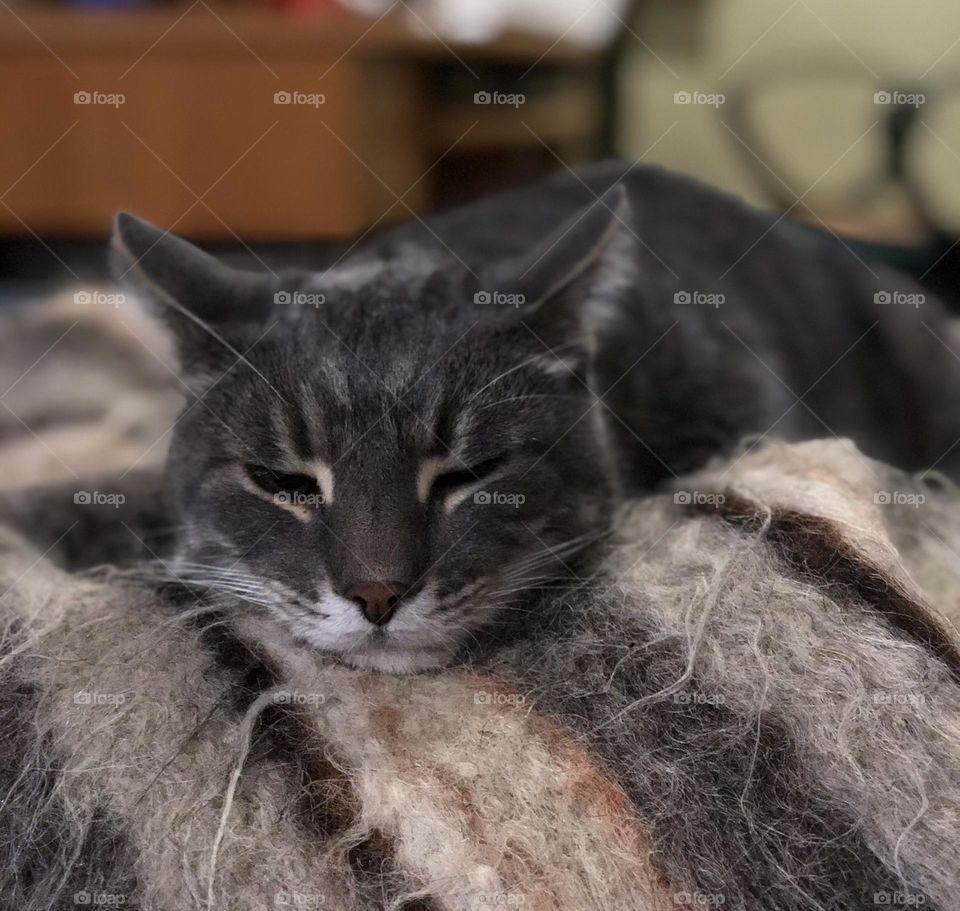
[377,600]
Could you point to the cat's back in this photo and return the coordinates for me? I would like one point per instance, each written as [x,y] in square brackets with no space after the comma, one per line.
[783,301]
[506,223]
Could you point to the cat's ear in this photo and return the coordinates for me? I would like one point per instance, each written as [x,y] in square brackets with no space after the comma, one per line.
[200,299]
[566,287]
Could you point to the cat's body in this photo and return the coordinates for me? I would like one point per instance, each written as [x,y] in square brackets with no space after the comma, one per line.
[388,461]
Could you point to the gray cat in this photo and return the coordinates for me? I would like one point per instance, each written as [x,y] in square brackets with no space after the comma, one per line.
[392,456]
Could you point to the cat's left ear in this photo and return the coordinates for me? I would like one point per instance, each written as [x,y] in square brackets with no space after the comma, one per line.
[200,299]
[567,286]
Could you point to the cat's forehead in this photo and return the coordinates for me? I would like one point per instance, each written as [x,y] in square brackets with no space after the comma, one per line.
[361,356]
[407,267]
[392,310]
[364,353]
[392,397]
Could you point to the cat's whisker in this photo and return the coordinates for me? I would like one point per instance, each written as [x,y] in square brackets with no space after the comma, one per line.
[186,566]
[519,589]
[456,643]
[586,537]
[530,579]
[189,614]
[249,597]
[550,554]
[223,584]
[214,582]
[198,571]
[504,606]
[523,398]
[531,360]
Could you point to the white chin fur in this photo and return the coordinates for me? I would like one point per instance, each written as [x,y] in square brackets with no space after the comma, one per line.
[338,629]
[388,658]
[397,660]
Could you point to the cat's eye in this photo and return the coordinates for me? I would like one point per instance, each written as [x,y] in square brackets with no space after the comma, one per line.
[275,482]
[446,483]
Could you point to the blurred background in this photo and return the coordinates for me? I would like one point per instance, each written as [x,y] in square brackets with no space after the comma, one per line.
[260,126]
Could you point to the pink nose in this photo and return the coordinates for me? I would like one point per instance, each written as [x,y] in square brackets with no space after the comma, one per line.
[377,600]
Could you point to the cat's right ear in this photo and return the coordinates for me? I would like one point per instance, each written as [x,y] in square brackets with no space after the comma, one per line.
[200,299]
[567,287]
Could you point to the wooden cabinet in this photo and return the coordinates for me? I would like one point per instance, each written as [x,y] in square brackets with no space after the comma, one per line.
[184,125]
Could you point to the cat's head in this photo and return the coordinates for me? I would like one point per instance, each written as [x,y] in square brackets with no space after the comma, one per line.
[385,457]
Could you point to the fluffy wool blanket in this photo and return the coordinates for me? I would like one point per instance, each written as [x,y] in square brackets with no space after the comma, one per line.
[754,703]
